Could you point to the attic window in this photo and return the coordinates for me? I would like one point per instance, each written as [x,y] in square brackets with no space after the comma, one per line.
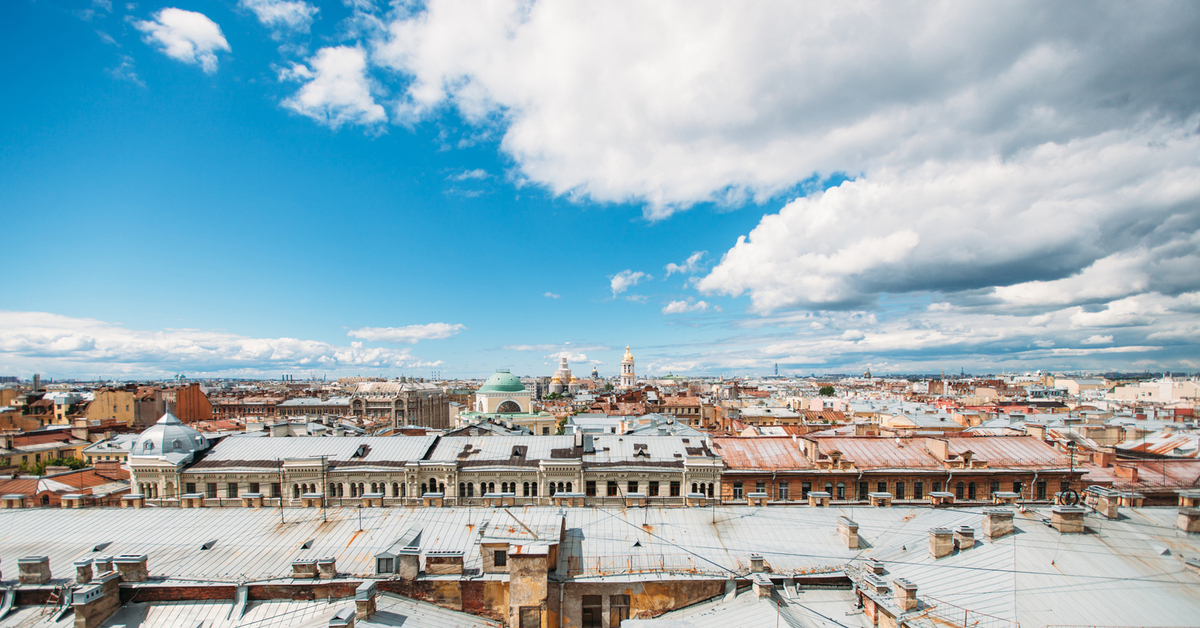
[361,451]
[148,446]
[177,444]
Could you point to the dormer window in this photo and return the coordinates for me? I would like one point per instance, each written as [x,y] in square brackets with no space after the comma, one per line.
[177,444]
[148,446]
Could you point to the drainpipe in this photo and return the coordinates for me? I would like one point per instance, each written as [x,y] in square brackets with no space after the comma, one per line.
[560,604]
[1031,488]
[858,481]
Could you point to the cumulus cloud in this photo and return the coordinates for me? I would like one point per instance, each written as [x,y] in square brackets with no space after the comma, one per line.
[625,280]
[186,36]
[292,15]
[682,102]
[1040,215]
[336,90]
[34,340]
[683,307]
[690,265]
[551,295]
[468,175]
[1097,340]
[410,333]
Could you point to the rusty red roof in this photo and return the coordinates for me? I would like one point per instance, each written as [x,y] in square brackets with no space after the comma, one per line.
[766,453]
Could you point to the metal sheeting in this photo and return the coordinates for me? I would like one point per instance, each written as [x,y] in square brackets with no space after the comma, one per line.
[1004,452]
[760,454]
[381,449]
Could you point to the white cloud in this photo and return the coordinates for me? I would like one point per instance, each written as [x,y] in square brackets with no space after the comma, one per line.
[626,279]
[1123,313]
[557,348]
[1097,340]
[551,295]
[293,15]
[337,90]
[186,36]
[1040,214]
[468,175]
[690,265]
[683,307]
[410,333]
[39,340]
[853,335]
[680,102]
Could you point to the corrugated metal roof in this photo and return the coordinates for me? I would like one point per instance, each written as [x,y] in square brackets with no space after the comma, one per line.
[765,453]
[258,451]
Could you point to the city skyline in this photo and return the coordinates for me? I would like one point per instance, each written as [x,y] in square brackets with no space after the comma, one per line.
[255,187]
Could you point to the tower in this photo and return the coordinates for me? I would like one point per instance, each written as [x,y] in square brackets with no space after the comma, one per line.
[628,379]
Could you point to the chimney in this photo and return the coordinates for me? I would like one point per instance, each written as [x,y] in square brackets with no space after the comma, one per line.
[1067,519]
[762,585]
[104,564]
[938,448]
[34,569]
[132,567]
[906,594]
[83,571]
[364,600]
[588,444]
[848,530]
[941,542]
[1188,520]
[409,563]
[578,438]
[96,602]
[756,563]
[964,537]
[997,522]
[327,567]
[304,568]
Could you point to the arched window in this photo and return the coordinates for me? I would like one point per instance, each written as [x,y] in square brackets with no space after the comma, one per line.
[177,444]
[395,489]
[841,491]
[504,487]
[509,407]
[569,487]
[971,491]
[441,487]
[525,488]
[958,490]
[829,489]
[362,488]
[462,489]
[470,489]
[424,488]
[295,491]
[491,487]
[710,489]
[45,499]
[404,490]
[693,487]
[534,488]
[148,446]
[553,489]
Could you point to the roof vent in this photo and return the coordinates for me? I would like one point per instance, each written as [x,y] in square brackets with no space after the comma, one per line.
[207,545]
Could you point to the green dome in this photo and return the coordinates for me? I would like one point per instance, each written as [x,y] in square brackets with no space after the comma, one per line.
[502,381]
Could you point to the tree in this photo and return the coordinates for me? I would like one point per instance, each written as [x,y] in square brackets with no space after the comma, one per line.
[827,391]
[73,463]
[554,395]
[608,386]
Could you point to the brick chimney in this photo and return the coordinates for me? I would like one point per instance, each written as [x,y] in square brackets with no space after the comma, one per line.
[364,600]
[941,542]
[906,594]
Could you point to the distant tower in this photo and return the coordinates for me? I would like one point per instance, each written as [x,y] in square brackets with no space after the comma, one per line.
[628,379]
[562,377]
[776,369]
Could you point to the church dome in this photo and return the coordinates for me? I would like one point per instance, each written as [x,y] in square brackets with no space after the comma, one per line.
[628,356]
[502,381]
[169,436]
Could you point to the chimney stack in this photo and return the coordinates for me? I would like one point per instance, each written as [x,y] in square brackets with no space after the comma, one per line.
[756,563]
[941,542]
[997,522]
[364,600]
[906,594]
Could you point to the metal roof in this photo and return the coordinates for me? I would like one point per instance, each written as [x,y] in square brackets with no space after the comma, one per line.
[256,452]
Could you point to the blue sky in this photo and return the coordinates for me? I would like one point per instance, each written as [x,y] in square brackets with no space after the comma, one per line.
[255,187]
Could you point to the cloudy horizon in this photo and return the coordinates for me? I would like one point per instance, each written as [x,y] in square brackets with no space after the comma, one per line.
[357,187]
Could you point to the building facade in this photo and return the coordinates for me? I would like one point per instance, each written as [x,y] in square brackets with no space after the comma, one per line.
[402,403]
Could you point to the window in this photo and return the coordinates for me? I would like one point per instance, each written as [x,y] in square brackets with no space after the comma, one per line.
[545,431]
[783,491]
[395,490]
[384,565]
[937,487]
[591,488]
[500,558]
[881,487]
[841,491]
[592,612]
[632,486]
[611,489]
[569,487]
[177,444]
[525,489]
[1018,488]
[231,489]
[829,488]
[1041,489]
[737,490]
[533,489]
[254,487]
[462,489]
[491,487]
[760,487]
[958,490]
[971,491]
[210,490]
[899,490]
[529,617]
[995,488]
[276,490]
[146,446]
[653,488]
[805,489]
[1064,486]
[618,610]
[674,489]
[863,489]
[918,490]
